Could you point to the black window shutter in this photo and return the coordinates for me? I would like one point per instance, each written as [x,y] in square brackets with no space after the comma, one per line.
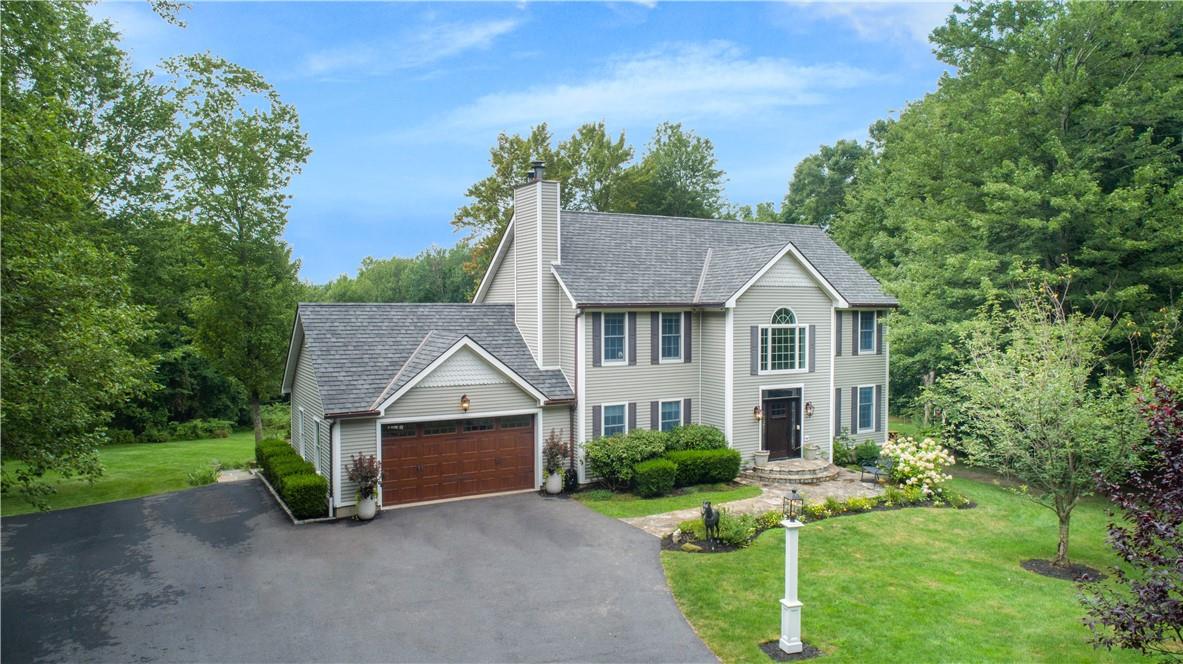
[632,338]
[632,415]
[854,337]
[878,337]
[837,411]
[812,348]
[854,410]
[755,350]
[654,337]
[878,408]
[597,347]
[654,417]
[686,411]
[687,331]
[838,335]
[596,421]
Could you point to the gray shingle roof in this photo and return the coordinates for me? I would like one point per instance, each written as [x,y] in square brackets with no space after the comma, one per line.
[612,258]
[363,353]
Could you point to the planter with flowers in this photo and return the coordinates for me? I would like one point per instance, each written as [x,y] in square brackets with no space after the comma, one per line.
[554,463]
[367,474]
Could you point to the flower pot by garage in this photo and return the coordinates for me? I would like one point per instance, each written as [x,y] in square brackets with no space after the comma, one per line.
[367,508]
[761,458]
[554,483]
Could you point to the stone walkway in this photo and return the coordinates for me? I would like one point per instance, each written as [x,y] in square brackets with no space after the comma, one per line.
[846,485]
[234,475]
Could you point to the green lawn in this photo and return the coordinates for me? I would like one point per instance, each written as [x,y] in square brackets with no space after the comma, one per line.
[913,585]
[625,505]
[143,469]
[904,426]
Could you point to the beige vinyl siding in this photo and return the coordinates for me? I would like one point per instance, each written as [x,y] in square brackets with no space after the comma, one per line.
[557,419]
[555,309]
[358,436]
[643,382]
[444,402]
[711,408]
[864,369]
[786,285]
[501,290]
[525,238]
[567,322]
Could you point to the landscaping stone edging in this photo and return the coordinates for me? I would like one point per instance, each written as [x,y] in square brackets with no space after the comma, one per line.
[292,517]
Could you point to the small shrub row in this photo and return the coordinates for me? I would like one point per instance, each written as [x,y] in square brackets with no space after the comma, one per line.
[654,477]
[735,530]
[296,480]
[704,466]
[613,458]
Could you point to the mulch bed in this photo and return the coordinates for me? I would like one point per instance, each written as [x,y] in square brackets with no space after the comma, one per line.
[1070,573]
[772,649]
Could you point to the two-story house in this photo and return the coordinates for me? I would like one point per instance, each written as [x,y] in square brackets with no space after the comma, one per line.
[593,324]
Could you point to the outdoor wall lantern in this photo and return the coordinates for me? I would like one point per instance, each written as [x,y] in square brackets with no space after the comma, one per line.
[757,413]
[808,409]
[464,403]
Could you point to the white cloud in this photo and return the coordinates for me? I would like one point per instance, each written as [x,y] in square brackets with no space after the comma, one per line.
[422,46]
[676,82]
[883,21]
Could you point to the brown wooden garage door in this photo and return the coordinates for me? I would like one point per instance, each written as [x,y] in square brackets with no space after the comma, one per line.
[452,458]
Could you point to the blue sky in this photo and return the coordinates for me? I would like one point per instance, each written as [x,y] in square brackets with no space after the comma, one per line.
[402,102]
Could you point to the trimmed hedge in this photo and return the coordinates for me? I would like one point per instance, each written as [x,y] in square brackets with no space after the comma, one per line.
[696,437]
[612,458]
[305,495]
[294,479]
[654,477]
[705,466]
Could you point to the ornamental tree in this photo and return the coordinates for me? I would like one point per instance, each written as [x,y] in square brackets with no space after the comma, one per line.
[1030,402]
[1143,609]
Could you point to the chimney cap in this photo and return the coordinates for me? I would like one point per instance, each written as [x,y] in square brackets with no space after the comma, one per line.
[537,169]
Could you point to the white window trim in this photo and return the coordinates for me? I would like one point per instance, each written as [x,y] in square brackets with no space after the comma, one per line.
[661,358]
[604,412]
[874,319]
[800,411]
[858,392]
[662,403]
[300,421]
[802,357]
[316,422]
[604,361]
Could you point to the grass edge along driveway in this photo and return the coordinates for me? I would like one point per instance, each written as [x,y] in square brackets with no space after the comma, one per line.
[627,505]
[912,585]
[141,469]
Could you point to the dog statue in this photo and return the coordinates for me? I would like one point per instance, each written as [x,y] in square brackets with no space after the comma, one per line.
[710,521]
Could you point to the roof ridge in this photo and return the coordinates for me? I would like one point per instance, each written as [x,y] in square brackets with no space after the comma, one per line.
[404,304]
[676,218]
[382,394]
[702,276]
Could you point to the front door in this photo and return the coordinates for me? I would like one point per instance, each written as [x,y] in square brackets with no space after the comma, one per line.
[782,427]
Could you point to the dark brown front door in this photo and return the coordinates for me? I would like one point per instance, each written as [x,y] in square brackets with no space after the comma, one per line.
[782,427]
[453,458]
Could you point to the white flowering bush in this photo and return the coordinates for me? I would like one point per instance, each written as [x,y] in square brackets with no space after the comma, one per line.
[919,464]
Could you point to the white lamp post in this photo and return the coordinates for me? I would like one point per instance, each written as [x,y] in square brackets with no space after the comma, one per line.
[790,607]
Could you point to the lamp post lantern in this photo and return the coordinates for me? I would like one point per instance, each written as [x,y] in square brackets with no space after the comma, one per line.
[790,606]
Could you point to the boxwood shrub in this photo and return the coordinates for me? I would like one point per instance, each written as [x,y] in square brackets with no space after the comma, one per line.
[654,477]
[305,495]
[696,437]
[612,458]
[704,466]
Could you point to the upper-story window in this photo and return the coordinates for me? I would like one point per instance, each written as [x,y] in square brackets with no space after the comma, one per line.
[614,338]
[866,332]
[671,336]
[783,344]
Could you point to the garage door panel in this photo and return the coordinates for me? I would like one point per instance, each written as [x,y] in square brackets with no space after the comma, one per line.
[469,457]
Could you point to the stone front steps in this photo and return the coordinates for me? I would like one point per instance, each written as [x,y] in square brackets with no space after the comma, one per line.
[792,471]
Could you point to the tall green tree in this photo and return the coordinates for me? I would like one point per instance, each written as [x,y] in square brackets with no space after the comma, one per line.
[434,275]
[238,151]
[679,176]
[70,326]
[592,163]
[820,182]
[1057,143]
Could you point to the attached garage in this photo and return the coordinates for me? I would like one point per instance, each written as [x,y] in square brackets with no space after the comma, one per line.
[441,459]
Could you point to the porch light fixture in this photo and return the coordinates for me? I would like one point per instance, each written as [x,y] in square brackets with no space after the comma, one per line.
[464,403]
[792,506]
[808,409]
[758,413]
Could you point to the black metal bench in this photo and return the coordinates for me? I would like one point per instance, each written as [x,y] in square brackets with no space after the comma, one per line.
[881,468]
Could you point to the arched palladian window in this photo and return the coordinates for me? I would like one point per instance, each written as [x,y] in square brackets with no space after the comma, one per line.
[783,343]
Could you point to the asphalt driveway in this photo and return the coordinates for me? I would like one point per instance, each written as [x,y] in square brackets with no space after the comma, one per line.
[218,574]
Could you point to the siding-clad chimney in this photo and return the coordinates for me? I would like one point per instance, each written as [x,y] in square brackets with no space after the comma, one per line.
[536,246]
